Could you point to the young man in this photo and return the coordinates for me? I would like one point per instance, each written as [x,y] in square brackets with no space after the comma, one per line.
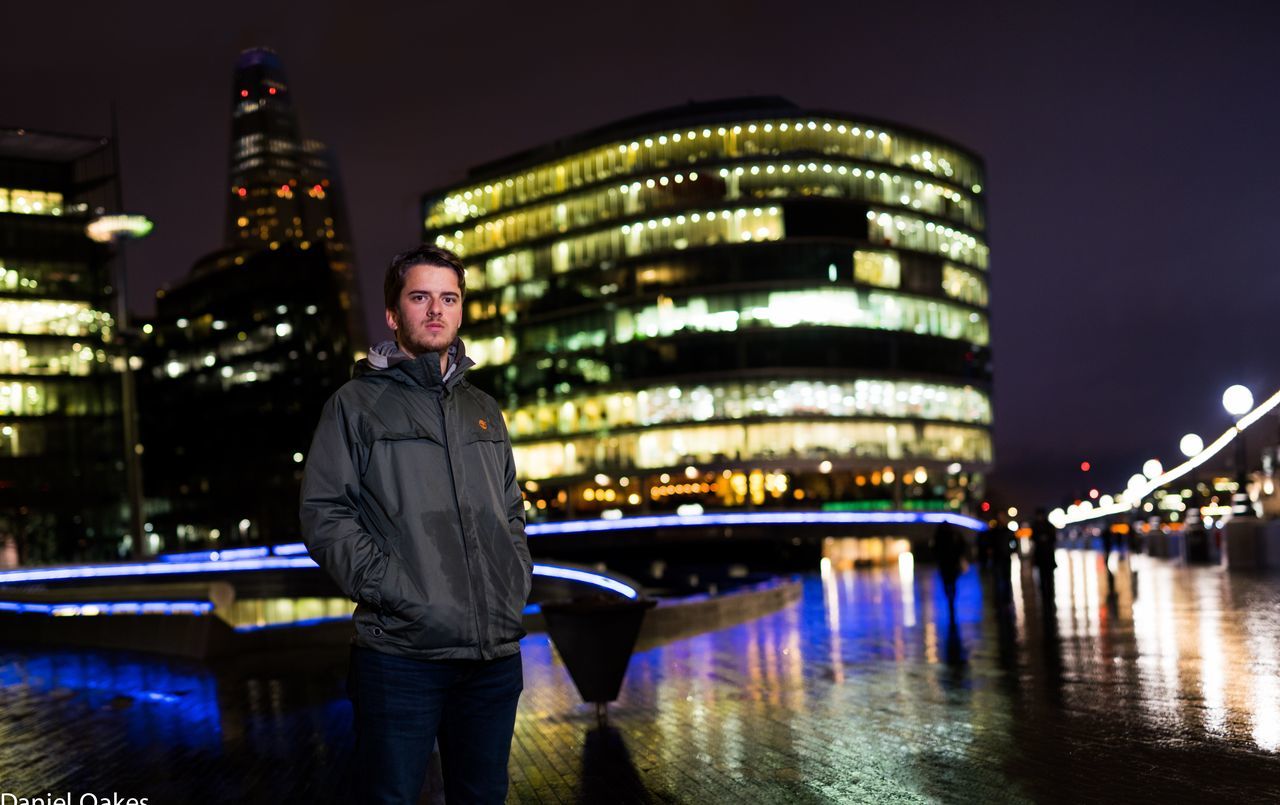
[410,504]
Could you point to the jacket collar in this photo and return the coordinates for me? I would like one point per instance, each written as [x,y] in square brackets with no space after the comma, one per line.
[388,359]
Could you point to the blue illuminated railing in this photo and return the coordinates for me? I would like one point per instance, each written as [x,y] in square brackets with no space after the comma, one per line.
[754,518]
[111,608]
[293,556]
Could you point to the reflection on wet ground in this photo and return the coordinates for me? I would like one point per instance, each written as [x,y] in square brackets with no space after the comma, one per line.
[1133,679]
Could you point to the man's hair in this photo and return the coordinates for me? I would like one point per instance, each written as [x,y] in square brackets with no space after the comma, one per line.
[424,255]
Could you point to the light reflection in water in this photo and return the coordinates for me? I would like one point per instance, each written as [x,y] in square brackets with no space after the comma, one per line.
[1212,665]
[1260,628]
[1154,629]
[906,578]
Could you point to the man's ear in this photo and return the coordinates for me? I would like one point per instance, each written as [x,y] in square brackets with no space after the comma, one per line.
[393,320]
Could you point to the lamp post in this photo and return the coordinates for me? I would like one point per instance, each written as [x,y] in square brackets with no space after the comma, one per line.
[114,231]
[1238,401]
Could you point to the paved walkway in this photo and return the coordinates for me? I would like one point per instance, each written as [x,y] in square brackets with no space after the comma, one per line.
[1151,682]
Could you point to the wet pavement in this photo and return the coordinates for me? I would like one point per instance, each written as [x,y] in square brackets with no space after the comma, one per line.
[1140,681]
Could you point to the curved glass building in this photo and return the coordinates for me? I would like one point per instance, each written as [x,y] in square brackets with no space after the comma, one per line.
[728,304]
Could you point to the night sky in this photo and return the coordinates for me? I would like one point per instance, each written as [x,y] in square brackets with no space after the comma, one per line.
[1132,159]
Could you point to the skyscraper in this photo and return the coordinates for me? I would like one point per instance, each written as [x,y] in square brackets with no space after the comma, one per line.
[740,303]
[246,349]
[284,188]
[62,477]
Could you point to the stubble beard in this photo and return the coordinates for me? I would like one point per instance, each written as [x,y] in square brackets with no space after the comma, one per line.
[420,343]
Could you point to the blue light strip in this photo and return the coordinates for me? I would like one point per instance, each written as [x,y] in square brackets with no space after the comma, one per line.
[257,627]
[292,549]
[89,609]
[586,577]
[71,573]
[755,518]
[216,556]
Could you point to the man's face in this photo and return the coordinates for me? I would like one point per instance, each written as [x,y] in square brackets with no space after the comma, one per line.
[429,311]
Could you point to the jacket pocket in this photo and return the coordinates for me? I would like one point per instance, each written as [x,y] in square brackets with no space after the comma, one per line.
[400,436]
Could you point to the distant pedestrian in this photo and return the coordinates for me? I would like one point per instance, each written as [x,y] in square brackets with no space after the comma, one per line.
[949,551]
[1044,543]
[1001,557]
[1108,540]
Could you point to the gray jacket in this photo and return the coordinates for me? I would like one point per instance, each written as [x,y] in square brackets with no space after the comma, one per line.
[410,504]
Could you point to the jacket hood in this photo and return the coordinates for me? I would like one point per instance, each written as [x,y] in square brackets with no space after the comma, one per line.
[387,359]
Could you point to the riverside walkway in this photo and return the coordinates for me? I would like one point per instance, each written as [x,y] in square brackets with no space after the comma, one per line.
[1140,681]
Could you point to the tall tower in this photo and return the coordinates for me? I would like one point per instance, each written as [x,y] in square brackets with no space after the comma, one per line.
[284,188]
[254,340]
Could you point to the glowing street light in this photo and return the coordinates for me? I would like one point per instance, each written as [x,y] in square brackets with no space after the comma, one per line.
[111,228]
[1191,445]
[1238,400]
[1152,468]
[1135,488]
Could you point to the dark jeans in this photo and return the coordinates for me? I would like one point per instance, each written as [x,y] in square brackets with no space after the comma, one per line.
[401,707]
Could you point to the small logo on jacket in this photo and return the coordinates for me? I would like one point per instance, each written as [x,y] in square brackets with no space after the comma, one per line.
[484,425]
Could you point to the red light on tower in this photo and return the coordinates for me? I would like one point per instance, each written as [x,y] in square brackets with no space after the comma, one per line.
[271,90]
[986,507]
[242,192]
[1084,466]
[244,93]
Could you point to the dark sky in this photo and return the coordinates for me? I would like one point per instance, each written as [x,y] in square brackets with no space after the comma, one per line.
[1132,156]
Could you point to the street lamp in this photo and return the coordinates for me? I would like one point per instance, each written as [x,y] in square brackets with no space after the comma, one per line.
[1191,445]
[114,231]
[1238,401]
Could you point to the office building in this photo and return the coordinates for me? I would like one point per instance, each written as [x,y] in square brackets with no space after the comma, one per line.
[62,468]
[732,304]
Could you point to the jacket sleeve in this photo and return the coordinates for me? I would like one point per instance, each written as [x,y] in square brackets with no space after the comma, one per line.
[515,517]
[330,505]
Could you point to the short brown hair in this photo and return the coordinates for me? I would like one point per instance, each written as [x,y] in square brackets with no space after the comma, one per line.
[424,255]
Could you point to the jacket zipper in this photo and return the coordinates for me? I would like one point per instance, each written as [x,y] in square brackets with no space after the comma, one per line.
[462,526]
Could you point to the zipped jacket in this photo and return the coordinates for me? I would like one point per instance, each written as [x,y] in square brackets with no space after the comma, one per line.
[410,503]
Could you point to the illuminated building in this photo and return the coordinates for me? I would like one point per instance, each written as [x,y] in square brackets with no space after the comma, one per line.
[284,188]
[738,303]
[62,484]
[245,350]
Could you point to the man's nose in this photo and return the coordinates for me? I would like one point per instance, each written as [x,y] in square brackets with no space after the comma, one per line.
[433,305]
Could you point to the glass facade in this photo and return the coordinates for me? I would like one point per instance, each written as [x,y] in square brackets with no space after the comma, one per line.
[62,476]
[727,289]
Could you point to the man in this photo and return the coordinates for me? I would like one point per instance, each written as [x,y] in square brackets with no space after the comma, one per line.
[410,504]
[1044,542]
